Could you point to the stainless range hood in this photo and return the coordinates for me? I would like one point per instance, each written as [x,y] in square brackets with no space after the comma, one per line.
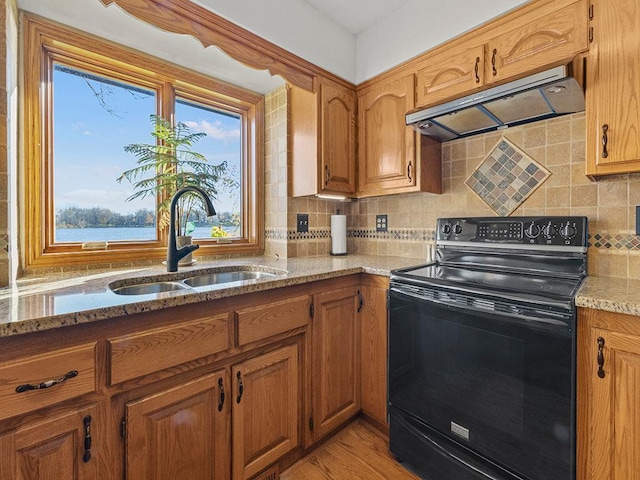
[546,94]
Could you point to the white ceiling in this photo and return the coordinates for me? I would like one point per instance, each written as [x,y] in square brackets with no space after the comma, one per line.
[356,15]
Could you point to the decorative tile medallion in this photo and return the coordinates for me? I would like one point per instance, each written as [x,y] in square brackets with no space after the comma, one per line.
[506,178]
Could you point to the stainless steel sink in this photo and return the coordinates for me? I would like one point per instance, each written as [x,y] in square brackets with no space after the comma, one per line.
[208,277]
[225,277]
[148,288]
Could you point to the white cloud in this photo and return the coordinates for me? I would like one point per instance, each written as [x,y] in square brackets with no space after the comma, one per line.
[216,129]
[112,199]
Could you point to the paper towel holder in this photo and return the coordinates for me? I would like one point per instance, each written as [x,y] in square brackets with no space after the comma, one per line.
[338,238]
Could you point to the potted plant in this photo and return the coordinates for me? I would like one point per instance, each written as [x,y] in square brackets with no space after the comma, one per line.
[164,167]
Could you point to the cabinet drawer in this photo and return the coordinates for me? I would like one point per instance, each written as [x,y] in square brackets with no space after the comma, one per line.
[256,323]
[70,372]
[132,356]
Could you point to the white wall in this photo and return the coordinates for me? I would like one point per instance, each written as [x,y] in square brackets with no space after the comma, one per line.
[417,27]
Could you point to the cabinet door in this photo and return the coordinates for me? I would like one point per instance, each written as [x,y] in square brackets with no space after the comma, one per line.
[266,411]
[451,74]
[614,410]
[60,448]
[387,147]
[612,96]
[335,363]
[180,433]
[373,378]
[551,39]
[337,139]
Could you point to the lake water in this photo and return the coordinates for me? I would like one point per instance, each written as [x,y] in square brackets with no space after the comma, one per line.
[117,234]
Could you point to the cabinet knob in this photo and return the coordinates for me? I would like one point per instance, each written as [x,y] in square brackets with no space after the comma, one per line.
[605,140]
[601,357]
[221,387]
[493,62]
[47,383]
[476,69]
[240,387]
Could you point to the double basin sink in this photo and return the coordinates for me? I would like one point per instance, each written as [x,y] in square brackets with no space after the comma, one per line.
[193,280]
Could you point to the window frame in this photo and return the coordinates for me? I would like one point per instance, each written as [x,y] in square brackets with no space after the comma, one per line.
[46,43]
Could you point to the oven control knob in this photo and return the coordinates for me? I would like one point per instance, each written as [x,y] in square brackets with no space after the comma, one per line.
[549,230]
[568,231]
[446,228]
[457,229]
[532,230]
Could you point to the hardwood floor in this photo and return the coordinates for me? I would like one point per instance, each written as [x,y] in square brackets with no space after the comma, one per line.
[358,452]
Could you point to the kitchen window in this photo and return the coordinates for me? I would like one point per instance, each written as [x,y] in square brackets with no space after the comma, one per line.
[86,99]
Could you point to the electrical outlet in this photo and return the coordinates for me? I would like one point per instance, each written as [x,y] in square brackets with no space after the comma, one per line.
[302,224]
[381,223]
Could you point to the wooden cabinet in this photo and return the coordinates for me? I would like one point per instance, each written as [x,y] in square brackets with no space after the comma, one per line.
[180,433]
[608,396]
[392,157]
[59,447]
[532,42]
[613,90]
[266,410]
[532,45]
[335,360]
[323,140]
[452,73]
[374,337]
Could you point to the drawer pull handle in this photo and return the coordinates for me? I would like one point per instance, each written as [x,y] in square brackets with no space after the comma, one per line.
[605,140]
[221,387]
[493,62]
[87,439]
[48,384]
[240,387]
[476,69]
[600,357]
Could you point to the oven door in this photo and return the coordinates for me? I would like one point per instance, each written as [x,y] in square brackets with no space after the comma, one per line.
[497,384]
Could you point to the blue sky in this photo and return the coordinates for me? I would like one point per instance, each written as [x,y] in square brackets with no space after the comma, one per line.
[89,141]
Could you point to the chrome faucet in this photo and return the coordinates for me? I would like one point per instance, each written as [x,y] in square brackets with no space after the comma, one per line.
[175,254]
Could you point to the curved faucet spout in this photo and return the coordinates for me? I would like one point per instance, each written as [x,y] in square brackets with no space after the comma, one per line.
[175,254]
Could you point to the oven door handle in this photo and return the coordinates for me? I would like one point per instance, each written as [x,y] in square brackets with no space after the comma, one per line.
[563,320]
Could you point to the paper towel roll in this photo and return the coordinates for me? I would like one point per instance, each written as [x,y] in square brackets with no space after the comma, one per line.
[338,234]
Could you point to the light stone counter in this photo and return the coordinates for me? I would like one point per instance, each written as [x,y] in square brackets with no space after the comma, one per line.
[42,303]
[619,295]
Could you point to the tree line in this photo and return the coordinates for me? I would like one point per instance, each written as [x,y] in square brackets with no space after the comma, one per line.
[97,217]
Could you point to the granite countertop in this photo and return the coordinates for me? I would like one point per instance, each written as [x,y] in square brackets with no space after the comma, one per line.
[35,304]
[619,295]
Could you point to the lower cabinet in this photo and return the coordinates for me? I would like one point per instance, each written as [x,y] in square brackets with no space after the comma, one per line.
[608,396]
[180,433]
[373,374]
[265,410]
[57,448]
[335,360]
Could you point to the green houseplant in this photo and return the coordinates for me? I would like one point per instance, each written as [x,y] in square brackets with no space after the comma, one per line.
[164,167]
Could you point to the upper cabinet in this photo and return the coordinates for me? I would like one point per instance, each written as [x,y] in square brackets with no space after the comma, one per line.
[535,44]
[613,88]
[323,140]
[539,38]
[391,157]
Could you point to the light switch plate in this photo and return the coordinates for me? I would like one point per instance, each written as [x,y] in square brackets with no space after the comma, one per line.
[302,224]
[381,223]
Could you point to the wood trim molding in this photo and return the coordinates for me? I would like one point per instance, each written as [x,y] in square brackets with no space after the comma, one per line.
[186,17]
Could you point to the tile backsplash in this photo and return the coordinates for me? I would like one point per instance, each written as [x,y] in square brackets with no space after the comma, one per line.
[558,145]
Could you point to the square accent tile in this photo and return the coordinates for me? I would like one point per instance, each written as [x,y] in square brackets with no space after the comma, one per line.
[506,178]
